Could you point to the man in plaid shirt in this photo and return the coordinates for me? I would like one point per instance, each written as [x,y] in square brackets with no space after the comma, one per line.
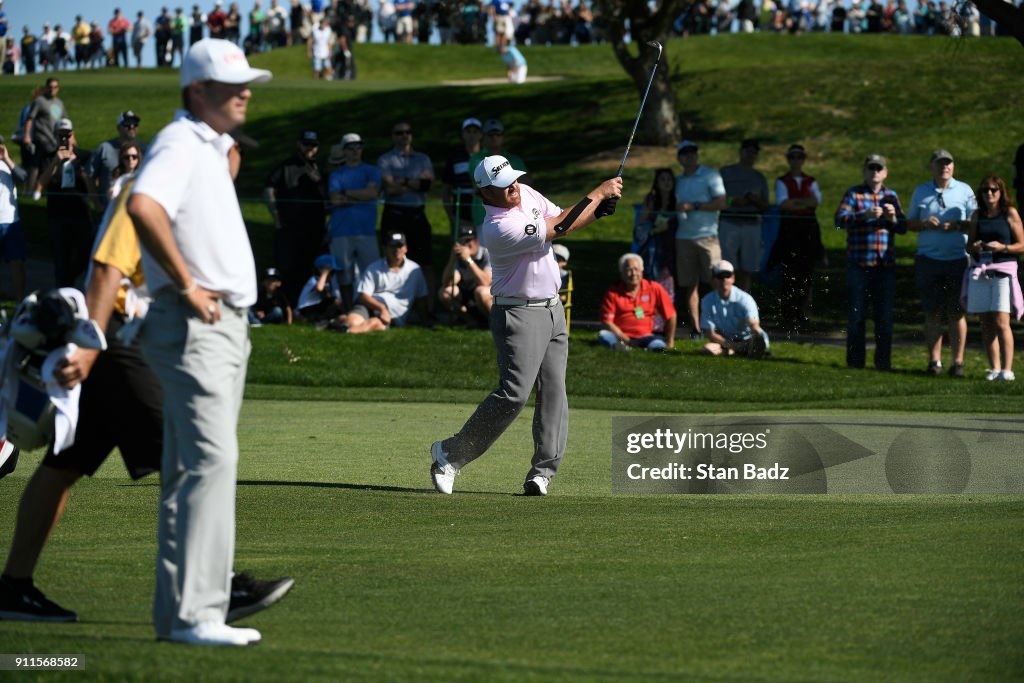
[871,214]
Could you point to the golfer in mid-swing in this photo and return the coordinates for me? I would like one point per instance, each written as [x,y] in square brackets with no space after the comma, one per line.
[527,323]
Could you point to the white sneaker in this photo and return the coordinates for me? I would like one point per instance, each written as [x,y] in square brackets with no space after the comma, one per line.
[1007,376]
[441,471]
[536,486]
[215,633]
[992,374]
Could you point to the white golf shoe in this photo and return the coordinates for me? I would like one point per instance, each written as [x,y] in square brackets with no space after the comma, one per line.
[215,633]
[441,471]
[536,486]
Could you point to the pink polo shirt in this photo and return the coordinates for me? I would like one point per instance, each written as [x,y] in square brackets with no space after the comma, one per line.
[522,264]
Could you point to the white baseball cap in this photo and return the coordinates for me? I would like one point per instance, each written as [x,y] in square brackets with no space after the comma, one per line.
[496,171]
[213,59]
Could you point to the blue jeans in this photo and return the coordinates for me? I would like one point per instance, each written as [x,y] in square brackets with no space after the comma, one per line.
[876,287]
[651,342]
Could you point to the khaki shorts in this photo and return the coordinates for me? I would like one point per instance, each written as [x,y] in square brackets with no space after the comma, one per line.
[694,259]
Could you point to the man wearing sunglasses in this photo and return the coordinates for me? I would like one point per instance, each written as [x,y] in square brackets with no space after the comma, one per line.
[940,210]
[729,317]
[105,157]
[871,215]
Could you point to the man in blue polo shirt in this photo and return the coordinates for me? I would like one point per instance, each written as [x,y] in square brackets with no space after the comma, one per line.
[352,189]
[940,211]
[729,318]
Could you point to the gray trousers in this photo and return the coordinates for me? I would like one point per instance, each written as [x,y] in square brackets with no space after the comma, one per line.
[202,369]
[533,346]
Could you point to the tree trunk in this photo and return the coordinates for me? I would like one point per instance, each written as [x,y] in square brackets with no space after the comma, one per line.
[660,123]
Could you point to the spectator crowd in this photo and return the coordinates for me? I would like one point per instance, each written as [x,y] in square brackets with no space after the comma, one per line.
[332,28]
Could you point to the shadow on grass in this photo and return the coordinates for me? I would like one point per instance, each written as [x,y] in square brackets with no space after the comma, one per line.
[360,487]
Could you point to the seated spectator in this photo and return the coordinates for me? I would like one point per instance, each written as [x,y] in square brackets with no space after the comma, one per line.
[466,280]
[320,299]
[729,318]
[391,292]
[271,307]
[561,253]
[630,307]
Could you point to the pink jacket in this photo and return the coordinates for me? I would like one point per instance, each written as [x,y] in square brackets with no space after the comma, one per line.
[976,270]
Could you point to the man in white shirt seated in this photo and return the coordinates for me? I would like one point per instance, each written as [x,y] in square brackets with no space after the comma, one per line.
[391,291]
[729,319]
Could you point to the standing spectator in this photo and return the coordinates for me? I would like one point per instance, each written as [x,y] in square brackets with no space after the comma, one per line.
[352,190]
[179,24]
[295,193]
[233,24]
[97,55]
[12,235]
[940,210]
[747,14]
[364,20]
[257,27]
[297,22]
[46,38]
[730,319]
[458,183]
[655,232]
[40,132]
[318,50]
[403,23]
[196,24]
[423,16]
[106,156]
[140,34]
[3,21]
[700,196]
[28,50]
[80,35]
[277,25]
[871,215]
[798,246]
[196,340]
[493,145]
[216,20]
[118,29]
[406,176]
[501,16]
[67,207]
[391,293]
[12,56]
[162,33]
[62,45]
[466,280]
[387,18]
[739,227]
[630,308]
[996,238]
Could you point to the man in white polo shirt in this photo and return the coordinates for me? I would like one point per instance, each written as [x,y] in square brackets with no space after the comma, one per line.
[527,323]
[198,262]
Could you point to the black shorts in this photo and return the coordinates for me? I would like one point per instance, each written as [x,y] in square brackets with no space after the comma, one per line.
[413,222]
[938,284]
[121,406]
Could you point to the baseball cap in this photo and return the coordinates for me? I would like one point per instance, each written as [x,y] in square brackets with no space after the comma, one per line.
[473,122]
[561,251]
[350,139]
[750,143]
[796,150]
[128,117]
[337,155]
[941,154]
[467,233]
[394,239]
[876,159]
[326,261]
[64,124]
[496,171]
[271,273]
[686,145]
[214,59]
[494,126]
[309,137]
[723,267]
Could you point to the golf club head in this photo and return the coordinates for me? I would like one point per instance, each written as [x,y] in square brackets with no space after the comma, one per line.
[654,43]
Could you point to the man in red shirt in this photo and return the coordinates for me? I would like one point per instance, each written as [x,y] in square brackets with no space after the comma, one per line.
[630,307]
[118,30]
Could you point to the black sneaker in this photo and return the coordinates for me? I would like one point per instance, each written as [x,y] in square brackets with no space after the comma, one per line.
[956,370]
[934,368]
[25,602]
[250,595]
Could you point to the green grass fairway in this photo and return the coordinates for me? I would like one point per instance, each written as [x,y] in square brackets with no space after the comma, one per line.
[396,582]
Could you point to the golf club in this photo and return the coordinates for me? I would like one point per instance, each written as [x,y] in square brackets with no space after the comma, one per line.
[607,207]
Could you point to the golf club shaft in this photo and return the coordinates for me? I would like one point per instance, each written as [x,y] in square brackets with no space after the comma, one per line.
[640,113]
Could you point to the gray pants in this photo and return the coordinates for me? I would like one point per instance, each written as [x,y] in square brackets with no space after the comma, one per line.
[533,346]
[202,369]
